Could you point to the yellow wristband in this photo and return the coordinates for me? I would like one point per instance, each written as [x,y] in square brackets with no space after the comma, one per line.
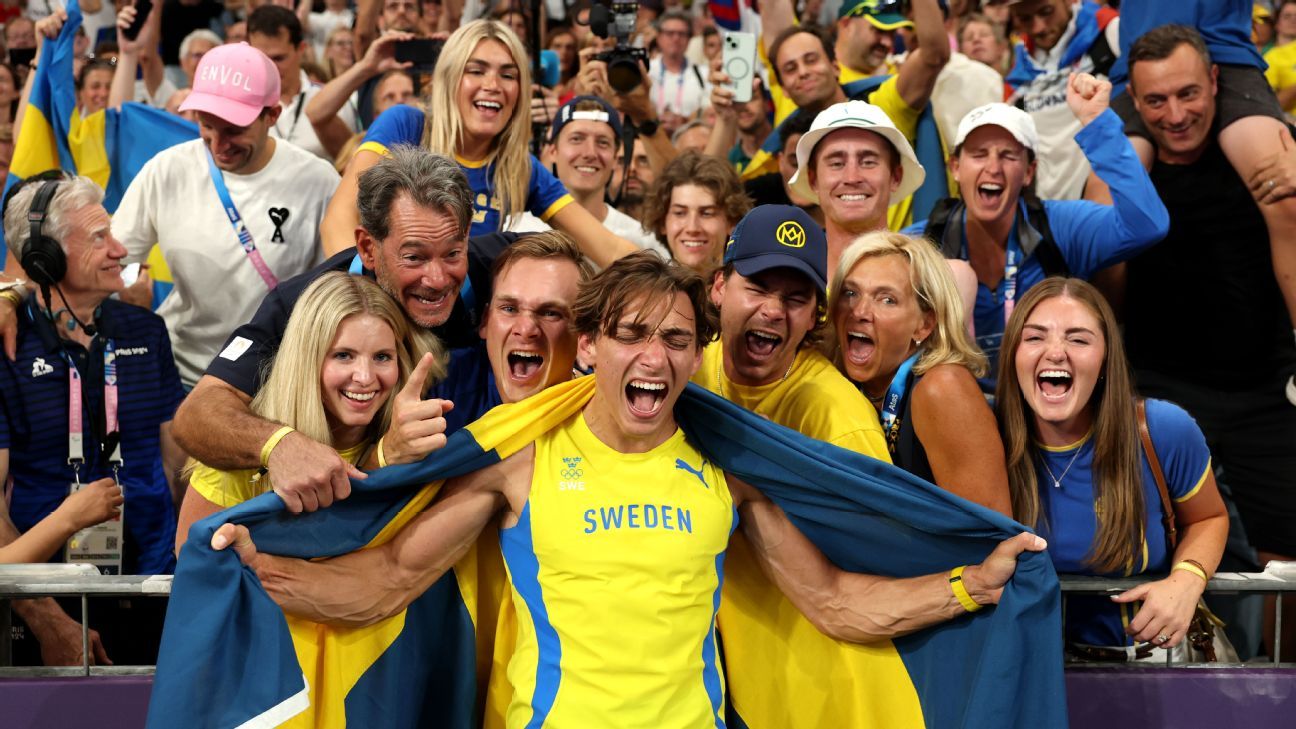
[1190,567]
[382,462]
[12,297]
[271,443]
[960,590]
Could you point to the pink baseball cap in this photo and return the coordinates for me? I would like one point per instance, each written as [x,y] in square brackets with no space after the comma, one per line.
[234,82]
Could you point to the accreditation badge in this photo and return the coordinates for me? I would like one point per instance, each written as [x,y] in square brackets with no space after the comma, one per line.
[99,545]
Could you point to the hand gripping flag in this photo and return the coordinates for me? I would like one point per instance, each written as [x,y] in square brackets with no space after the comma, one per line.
[230,657]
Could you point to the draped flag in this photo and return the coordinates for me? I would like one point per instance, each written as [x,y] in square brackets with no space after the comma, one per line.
[231,658]
[109,146]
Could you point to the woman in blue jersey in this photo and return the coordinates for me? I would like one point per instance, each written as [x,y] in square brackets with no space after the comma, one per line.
[900,338]
[347,350]
[473,114]
[1070,423]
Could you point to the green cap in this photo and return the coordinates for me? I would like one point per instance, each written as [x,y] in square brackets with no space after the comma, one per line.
[883,14]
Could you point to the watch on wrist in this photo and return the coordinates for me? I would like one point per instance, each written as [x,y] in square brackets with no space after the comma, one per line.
[647,128]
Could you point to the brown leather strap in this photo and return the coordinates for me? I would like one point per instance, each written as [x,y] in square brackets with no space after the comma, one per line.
[1167,508]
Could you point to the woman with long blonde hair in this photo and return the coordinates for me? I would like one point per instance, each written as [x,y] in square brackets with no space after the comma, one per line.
[346,350]
[476,112]
[900,337]
[1078,474]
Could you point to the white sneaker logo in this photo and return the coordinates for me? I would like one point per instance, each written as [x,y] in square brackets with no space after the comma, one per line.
[39,367]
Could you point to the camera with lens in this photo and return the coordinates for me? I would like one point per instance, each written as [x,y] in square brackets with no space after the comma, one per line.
[625,63]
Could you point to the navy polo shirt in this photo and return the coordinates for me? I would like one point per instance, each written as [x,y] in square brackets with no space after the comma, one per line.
[244,361]
[469,384]
[34,423]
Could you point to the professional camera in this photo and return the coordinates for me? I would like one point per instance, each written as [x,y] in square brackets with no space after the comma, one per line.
[625,63]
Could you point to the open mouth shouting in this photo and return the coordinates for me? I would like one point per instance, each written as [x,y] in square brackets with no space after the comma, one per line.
[645,397]
[1054,384]
[859,348]
[524,365]
[761,345]
[989,194]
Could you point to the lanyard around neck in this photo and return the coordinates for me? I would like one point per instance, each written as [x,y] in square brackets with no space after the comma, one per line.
[679,88]
[1012,264]
[894,396]
[76,410]
[240,228]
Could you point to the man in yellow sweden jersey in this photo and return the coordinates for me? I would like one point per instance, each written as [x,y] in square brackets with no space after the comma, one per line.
[614,530]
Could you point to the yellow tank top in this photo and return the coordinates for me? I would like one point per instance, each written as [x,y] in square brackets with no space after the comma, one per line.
[616,564]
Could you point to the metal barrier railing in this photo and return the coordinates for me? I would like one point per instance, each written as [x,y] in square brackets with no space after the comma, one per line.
[23,581]
[1278,579]
[18,582]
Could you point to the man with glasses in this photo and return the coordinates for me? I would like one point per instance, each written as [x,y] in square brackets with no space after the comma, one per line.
[679,89]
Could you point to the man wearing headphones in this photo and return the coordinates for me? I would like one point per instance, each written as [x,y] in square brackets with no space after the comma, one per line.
[88,402]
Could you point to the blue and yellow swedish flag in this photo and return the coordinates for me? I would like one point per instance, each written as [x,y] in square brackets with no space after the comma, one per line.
[108,146]
[231,658]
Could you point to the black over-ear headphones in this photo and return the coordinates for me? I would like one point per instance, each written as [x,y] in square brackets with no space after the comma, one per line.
[42,257]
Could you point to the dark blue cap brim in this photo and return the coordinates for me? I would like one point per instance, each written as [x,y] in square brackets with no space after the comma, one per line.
[752,265]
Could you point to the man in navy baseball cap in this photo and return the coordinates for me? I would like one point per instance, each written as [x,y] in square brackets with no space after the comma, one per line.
[772,294]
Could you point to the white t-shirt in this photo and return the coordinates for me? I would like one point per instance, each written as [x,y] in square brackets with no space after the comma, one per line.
[680,93]
[294,126]
[616,221]
[159,98]
[173,202]
[1063,168]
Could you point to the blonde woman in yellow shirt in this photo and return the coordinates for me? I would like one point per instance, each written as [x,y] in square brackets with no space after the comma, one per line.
[347,350]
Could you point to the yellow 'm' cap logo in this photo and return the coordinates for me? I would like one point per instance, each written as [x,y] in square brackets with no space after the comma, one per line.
[790,234]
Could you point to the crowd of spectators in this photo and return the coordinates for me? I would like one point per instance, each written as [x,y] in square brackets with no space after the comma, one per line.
[1026,214]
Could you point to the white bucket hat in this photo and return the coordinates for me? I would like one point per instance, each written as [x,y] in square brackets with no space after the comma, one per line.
[856,115]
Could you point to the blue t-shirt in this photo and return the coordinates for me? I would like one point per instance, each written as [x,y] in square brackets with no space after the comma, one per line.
[1068,521]
[545,194]
[1225,25]
[469,384]
[1089,236]
[34,423]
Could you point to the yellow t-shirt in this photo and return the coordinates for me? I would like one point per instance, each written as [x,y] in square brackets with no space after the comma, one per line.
[814,399]
[1281,73]
[230,488]
[615,566]
[835,684]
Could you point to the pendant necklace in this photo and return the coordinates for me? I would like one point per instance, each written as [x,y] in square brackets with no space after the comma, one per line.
[1057,480]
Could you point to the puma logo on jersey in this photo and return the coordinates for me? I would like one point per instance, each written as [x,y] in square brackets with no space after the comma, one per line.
[681,465]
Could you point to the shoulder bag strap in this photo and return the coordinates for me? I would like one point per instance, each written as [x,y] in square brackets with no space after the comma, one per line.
[1167,508]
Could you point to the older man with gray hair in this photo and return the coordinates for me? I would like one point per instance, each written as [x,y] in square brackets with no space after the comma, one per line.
[88,403]
[415,210]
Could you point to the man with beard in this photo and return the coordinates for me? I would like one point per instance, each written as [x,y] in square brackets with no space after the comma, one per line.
[630,182]
[415,209]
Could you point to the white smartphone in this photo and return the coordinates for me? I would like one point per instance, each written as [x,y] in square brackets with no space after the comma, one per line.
[739,63]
